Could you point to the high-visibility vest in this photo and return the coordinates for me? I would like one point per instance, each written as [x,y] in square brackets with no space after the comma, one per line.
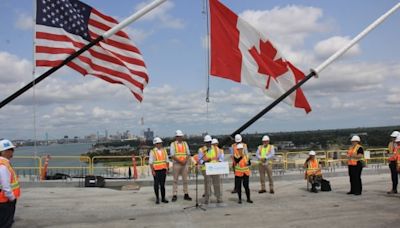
[313,167]
[265,151]
[180,150]
[392,152]
[241,168]
[211,154]
[396,150]
[13,182]
[351,152]
[160,160]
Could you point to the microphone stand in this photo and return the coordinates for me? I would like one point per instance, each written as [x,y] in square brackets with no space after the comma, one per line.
[197,205]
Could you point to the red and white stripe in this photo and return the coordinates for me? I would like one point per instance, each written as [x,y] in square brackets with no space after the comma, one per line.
[115,60]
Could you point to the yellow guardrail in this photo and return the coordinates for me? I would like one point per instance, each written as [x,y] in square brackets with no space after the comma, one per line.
[283,160]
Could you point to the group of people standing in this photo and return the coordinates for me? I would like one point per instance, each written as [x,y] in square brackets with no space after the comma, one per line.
[209,152]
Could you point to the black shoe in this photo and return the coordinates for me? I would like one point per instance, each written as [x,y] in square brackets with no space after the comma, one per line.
[174,198]
[157,201]
[271,191]
[262,191]
[240,202]
[187,197]
[357,194]
[234,191]
[349,193]
[164,201]
[204,195]
[392,192]
[249,201]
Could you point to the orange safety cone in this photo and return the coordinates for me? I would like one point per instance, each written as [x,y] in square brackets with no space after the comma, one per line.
[44,169]
[135,174]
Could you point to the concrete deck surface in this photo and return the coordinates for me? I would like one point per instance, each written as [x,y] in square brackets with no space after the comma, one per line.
[290,206]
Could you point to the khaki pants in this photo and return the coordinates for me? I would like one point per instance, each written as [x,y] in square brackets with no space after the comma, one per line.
[216,182]
[262,168]
[183,171]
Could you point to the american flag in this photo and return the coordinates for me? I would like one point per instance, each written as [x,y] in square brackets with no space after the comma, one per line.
[65,26]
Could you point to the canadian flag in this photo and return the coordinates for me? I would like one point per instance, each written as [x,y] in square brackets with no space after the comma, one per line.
[242,54]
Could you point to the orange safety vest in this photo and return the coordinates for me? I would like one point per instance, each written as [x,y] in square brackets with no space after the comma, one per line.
[160,160]
[313,168]
[392,152]
[241,168]
[13,182]
[180,150]
[351,152]
[396,150]
[264,151]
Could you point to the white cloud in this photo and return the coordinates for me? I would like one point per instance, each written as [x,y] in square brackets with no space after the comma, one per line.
[326,48]
[394,96]
[24,22]
[162,15]
[288,25]
[13,68]
[138,35]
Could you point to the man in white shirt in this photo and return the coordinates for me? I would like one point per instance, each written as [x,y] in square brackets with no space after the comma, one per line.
[9,186]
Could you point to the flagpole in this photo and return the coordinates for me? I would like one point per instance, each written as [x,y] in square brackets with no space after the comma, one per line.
[106,35]
[314,72]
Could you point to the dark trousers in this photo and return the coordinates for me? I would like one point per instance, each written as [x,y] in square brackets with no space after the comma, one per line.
[355,178]
[238,185]
[394,174]
[7,211]
[159,183]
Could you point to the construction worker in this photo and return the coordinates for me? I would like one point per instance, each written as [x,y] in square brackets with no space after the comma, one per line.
[159,164]
[232,150]
[9,186]
[355,156]
[211,153]
[200,153]
[265,153]
[313,171]
[242,172]
[393,161]
[180,154]
[397,151]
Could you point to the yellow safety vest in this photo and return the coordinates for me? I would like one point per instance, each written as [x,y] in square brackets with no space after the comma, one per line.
[351,152]
[265,151]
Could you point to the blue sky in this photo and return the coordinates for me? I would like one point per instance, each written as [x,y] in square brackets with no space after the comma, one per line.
[362,89]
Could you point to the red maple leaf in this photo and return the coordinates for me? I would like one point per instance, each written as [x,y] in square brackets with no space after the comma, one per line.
[267,64]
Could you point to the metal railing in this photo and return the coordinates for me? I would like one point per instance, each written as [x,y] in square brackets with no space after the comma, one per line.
[122,166]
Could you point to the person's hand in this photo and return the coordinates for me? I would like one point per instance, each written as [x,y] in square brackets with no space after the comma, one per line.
[153,172]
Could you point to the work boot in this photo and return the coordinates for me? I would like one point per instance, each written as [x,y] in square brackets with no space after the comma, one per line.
[262,191]
[164,201]
[314,189]
[392,192]
[349,193]
[240,201]
[174,198]
[249,201]
[271,191]
[157,201]
[187,197]
[233,191]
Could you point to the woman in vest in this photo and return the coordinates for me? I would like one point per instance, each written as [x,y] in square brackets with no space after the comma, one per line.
[9,186]
[355,156]
[159,164]
[242,172]
[393,162]
[313,171]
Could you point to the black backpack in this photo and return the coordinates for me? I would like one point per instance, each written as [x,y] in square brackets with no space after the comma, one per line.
[325,186]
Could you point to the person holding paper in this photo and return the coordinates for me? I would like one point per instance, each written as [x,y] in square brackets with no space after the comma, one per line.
[242,172]
[265,153]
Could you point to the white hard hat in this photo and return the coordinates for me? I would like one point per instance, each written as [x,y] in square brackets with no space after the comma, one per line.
[265,138]
[214,141]
[356,138]
[239,146]
[6,144]
[207,138]
[157,140]
[397,139]
[395,134]
[238,138]
[179,133]
[312,153]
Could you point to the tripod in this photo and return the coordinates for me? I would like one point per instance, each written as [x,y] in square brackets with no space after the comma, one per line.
[197,205]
